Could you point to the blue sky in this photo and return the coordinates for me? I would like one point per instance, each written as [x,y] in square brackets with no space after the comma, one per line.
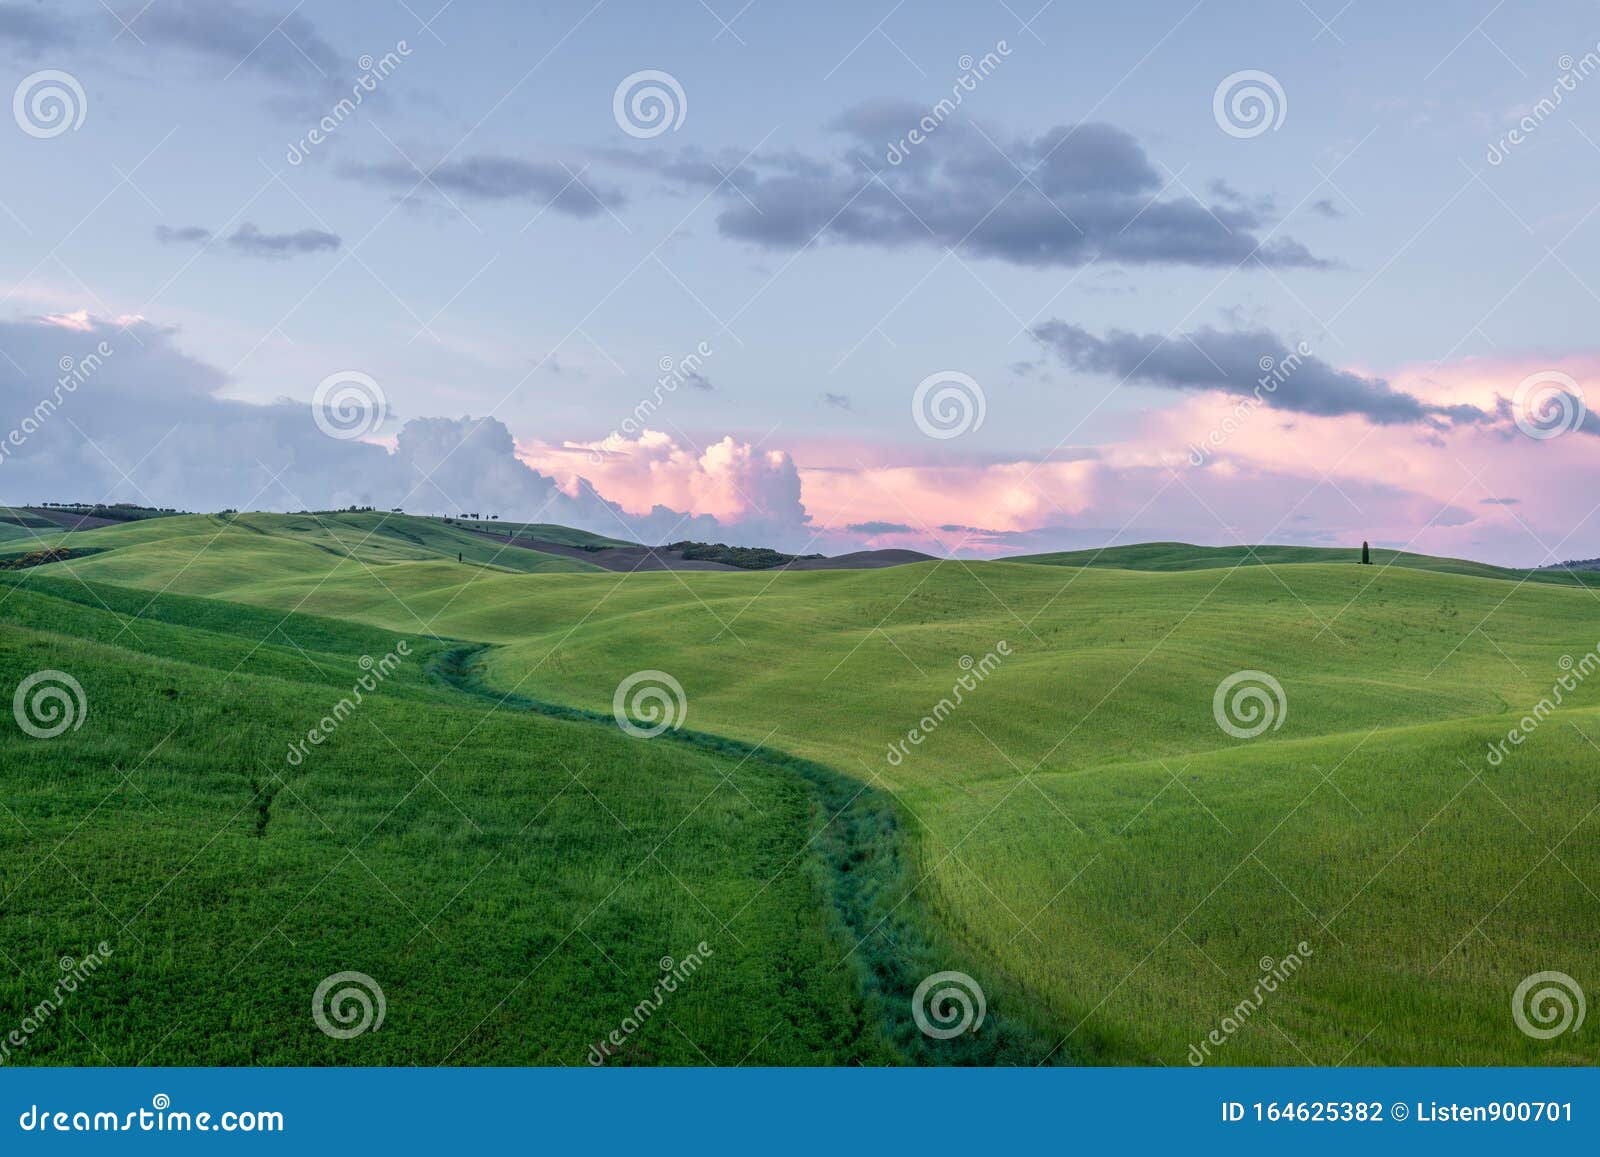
[1416,264]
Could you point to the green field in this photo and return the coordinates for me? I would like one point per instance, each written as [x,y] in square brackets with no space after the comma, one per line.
[1170,556]
[1079,835]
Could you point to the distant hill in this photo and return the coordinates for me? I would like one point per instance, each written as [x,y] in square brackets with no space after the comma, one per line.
[1181,556]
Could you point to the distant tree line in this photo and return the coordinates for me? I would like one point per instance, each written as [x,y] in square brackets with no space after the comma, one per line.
[744,557]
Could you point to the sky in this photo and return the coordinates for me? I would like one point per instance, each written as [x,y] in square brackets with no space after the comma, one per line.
[978,278]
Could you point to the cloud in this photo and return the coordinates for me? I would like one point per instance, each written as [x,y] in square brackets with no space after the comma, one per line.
[552,184]
[183,235]
[652,477]
[839,401]
[1328,209]
[33,28]
[146,408]
[287,49]
[1067,196]
[1500,501]
[249,241]
[1244,362]
[142,422]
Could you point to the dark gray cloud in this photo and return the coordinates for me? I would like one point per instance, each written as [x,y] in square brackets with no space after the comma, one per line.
[1328,209]
[564,188]
[249,241]
[1242,362]
[285,48]
[1063,198]
[879,528]
[34,27]
[183,235]
[1549,410]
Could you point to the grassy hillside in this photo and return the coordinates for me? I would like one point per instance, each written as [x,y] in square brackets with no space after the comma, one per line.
[1171,556]
[1085,822]
[1082,836]
[549,532]
[512,882]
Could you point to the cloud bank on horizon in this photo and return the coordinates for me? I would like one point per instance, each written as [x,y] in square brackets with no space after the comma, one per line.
[1034,309]
[129,417]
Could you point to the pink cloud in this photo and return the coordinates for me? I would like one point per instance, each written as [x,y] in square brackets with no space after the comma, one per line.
[729,480]
[1475,488]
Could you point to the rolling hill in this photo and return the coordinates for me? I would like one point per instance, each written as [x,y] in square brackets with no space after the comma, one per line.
[1171,556]
[1059,804]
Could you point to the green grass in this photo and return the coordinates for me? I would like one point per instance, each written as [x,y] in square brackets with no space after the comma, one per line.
[1173,556]
[550,532]
[511,881]
[1079,835]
